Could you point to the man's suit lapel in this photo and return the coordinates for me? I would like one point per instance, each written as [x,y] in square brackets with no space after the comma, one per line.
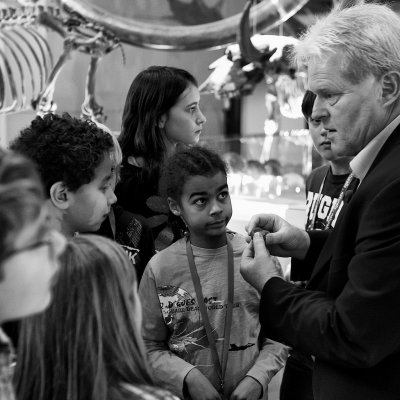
[323,263]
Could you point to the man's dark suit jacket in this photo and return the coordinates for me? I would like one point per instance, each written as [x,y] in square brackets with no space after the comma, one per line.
[349,316]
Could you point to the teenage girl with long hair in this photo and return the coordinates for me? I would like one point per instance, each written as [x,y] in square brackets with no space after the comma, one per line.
[161,113]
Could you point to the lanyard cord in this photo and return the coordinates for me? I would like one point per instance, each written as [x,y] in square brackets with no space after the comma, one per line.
[334,209]
[314,210]
[221,365]
[339,201]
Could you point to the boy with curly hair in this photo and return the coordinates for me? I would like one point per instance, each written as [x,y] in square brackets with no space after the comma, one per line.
[75,159]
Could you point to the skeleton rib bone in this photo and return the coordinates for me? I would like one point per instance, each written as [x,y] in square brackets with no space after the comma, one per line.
[9,42]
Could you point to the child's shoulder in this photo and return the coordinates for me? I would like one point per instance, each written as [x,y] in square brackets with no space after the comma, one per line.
[318,173]
[171,252]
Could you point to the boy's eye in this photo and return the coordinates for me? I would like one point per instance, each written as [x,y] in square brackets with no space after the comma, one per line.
[105,187]
[315,122]
[200,202]
[223,195]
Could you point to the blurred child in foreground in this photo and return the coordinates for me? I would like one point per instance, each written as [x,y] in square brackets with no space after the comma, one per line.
[87,345]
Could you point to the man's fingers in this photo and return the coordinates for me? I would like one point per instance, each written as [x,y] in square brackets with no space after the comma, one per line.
[259,245]
[273,238]
[248,252]
[255,221]
[261,222]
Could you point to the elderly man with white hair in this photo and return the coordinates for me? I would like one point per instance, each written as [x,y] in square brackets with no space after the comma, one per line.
[348,316]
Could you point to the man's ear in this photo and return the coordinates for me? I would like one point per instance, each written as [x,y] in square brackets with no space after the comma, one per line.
[60,195]
[390,87]
[174,207]
[162,121]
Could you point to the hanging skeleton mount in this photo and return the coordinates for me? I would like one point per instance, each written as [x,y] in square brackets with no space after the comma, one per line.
[27,68]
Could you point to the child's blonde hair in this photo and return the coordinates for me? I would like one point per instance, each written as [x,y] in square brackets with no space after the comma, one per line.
[88,342]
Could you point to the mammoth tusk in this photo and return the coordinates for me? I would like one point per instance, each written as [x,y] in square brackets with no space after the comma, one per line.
[269,13]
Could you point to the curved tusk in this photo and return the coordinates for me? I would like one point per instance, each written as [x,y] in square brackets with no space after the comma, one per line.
[247,50]
[268,14]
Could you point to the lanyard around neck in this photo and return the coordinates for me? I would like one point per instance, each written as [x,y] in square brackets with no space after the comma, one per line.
[334,209]
[220,365]
[314,209]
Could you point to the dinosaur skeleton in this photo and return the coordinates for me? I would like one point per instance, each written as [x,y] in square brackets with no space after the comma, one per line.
[26,61]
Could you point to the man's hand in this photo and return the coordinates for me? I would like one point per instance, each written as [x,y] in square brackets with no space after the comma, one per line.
[199,387]
[257,266]
[283,239]
[248,389]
